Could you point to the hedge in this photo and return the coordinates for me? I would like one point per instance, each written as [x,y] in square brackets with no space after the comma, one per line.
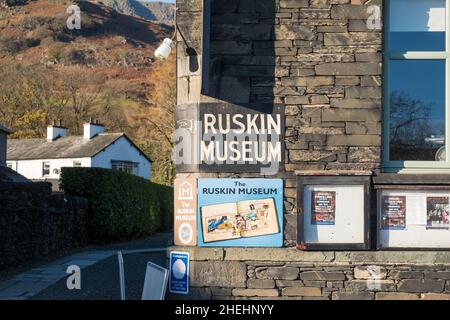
[121,206]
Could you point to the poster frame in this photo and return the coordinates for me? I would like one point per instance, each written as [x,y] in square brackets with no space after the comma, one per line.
[379,193]
[305,180]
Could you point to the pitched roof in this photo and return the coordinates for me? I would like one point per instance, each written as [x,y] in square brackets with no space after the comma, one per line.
[9,175]
[4,129]
[65,147]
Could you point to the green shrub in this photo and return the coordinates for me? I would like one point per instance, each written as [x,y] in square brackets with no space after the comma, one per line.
[11,45]
[166,207]
[32,22]
[121,206]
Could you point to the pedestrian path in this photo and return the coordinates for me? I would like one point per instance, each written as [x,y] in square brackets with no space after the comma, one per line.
[27,284]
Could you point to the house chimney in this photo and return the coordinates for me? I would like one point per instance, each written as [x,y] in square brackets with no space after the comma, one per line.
[92,129]
[56,131]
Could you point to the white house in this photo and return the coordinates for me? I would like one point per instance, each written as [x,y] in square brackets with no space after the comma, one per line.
[39,159]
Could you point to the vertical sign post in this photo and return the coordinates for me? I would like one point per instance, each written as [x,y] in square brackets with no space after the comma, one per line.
[185,211]
[179,272]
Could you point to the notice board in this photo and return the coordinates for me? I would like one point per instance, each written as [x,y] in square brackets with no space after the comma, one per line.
[413,219]
[333,212]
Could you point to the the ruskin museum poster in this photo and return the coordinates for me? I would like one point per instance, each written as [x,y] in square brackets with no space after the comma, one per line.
[240,212]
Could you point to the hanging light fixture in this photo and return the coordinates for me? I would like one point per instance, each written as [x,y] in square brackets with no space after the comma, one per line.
[164,50]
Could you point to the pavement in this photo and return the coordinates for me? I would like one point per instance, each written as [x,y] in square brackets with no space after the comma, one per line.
[99,273]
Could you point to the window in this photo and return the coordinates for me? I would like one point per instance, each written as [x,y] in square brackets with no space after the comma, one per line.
[9,165]
[125,166]
[416,130]
[77,164]
[45,168]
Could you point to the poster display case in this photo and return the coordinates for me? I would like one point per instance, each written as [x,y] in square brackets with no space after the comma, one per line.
[334,211]
[412,217]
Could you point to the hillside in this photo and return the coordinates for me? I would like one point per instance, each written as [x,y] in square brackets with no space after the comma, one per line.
[115,45]
[103,71]
[163,12]
[153,11]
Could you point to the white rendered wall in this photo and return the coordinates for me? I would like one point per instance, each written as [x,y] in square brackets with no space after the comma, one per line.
[123,150]
[32,169]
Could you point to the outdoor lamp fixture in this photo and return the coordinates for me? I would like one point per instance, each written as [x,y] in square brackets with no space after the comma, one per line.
[164,50]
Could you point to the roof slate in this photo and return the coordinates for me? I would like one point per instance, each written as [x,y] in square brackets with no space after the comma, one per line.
[64,147]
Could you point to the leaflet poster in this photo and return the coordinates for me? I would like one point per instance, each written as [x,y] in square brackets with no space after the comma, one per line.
[179,272]
[323,207]
[437,212]
[240,212]
[394,212]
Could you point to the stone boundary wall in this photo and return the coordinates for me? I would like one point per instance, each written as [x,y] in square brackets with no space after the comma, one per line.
[34,222]
[286,273]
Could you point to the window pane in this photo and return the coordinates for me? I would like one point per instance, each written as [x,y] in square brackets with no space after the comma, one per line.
[417,109]
[45,168]
[417,25]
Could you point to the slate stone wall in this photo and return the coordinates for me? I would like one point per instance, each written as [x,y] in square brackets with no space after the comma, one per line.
[317,57]
[254,274]
[35,223]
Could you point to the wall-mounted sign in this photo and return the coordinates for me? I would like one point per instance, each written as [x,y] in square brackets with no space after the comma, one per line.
[437,212]
[323,207]
[223,137]
[240,212]
[179,272]
[411,219]
[393,212]
[334,212]
[185,212]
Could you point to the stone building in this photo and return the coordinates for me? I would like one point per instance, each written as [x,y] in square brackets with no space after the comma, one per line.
[357,99]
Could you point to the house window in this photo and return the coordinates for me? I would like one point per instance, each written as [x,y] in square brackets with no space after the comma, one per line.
[125,166]
[9,165]
[416,109]
[77,164]
[45,168]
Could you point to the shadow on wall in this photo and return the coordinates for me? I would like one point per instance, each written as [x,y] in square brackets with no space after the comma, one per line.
[241,68]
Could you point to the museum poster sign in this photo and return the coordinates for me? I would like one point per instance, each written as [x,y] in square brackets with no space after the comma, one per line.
[223,137]
[393,212]
[240,212]
[323,207]
[185,211]
[438,212]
